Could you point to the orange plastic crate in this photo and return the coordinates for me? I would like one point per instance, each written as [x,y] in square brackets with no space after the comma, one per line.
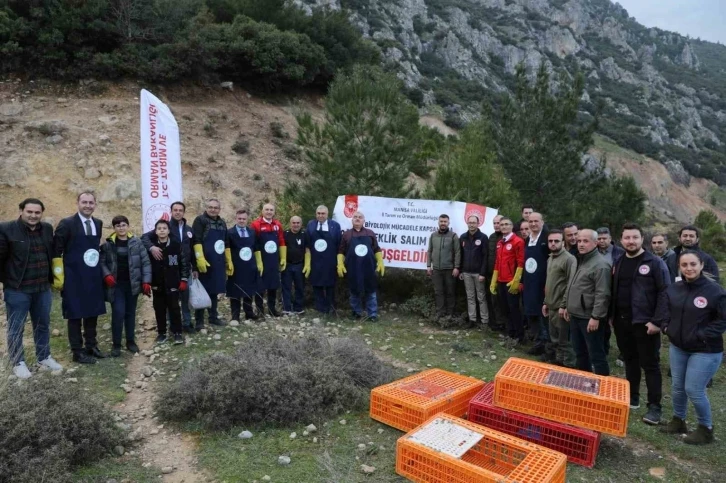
[446,449]
[408,402]
[566,395]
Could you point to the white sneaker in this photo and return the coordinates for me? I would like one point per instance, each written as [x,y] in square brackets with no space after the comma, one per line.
[22,371]
[51,364]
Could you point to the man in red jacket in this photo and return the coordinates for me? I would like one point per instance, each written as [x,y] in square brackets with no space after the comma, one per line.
[507,277]
[270,254]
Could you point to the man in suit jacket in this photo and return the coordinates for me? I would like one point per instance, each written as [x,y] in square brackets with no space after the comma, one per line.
[324,237]
[78,275]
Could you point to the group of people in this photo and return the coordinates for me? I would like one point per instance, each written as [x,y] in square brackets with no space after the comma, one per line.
[244,262]
[567,290]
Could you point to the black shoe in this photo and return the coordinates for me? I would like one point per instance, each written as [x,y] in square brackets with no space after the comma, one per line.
[373,319]
[161,338]
[95,352]
[218,322]
[83,358]
[634,402]
[132,347]
[537,350]
[178,339]
[116,351]
[198,327]
[355,316]
[188,329]
[653,415]
[251,317]
[275,313]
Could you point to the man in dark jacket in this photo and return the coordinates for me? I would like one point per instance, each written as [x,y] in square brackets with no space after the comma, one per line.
[26,250]
[181,232]
[689,236]
[659,246]
[497,318]
[526,211]
[570,231]
[474,254]
[296,241]
[639,306]
[536,254]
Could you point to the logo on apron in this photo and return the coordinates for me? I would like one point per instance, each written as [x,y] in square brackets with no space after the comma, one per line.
[361,250]
[271,247]
[90,257]
[700,302]
[245,254]
[321,245]
[219,247]
[530,265]
[189,234]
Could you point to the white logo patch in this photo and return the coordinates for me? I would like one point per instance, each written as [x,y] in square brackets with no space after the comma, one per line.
[245,254]
[644,270]
[271,247]
[477,242]
[361,250]
[530,265]
[219,247]
[508,246]
[700,302]
[321,245]
[189,234]
[91,257]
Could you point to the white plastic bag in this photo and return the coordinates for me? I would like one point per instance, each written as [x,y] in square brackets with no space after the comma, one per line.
[198,296]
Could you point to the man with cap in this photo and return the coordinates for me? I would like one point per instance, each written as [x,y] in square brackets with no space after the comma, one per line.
[320,261]
[242,284]
[271,254]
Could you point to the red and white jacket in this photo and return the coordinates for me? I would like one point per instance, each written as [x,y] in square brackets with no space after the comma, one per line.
[510,257]
[260,225]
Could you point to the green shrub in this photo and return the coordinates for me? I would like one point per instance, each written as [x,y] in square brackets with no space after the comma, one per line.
[275,380]
[49,426]
[241,146]
[278,130]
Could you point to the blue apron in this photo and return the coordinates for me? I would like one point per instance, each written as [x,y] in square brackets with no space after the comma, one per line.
[323,258]
[215,280]
[534,278]
[244,281]
[360,263]
[270,279]
[83,293]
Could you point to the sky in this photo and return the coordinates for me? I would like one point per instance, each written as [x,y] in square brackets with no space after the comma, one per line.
[698,18]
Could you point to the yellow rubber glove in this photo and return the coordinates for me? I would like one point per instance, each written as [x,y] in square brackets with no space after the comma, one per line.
[202,262]
[514,284]
[380,268]
[283,258]
[58,275]
[341,265]
[228,259]
[258,259]
[493,285]
[306,265]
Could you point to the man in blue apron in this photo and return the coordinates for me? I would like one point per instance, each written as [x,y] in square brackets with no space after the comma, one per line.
[242,285]
[77,274]
[213,256]
[536,254]
[320,259]
[360,257]
[270,255]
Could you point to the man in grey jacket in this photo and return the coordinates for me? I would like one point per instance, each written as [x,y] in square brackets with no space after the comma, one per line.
[586,306]
[659,247]
[560,272]
[444,261]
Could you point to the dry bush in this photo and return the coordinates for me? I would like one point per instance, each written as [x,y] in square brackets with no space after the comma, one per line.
[48,426]
[275,380]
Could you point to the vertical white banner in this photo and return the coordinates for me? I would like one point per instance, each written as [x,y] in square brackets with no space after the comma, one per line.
[161,176]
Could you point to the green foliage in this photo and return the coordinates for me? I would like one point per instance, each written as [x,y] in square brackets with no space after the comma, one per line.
[713,234]
[369,143]
[614,202]
[469,172]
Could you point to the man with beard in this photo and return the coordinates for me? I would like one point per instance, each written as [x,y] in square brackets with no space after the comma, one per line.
[570,231]
[444,260]
[560,271]
[526,211]
[659,247]
[497,319]
[689,236]
[639,307]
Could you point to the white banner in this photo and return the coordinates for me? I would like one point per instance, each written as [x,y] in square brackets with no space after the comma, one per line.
[161,176]
[403,227]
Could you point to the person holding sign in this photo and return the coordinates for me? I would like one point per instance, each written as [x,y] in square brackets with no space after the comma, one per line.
[213,257]
[77,274]
[270,255]
[242,285]
[320,265]
[360,257]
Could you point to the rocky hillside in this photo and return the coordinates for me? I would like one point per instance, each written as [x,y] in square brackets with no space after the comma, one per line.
[659,93]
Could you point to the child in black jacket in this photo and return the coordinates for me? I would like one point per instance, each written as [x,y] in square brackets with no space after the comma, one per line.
[169,278]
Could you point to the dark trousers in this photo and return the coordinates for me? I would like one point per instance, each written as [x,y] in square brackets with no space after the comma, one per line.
[185,310]
[589,347]
[497,318]
[75,335]
[444,291]
[509,304]
[640,351]
[167,301]
[537,329]
[18,306]
[199,314]
[236,306]
[293,302]
[271,301]
[324,299]
[123,313]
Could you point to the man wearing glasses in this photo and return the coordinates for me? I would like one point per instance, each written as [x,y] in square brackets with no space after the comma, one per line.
[560,271]
[213,256]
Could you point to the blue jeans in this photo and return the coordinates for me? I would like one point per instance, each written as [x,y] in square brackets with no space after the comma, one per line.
[18,305]
[589,347]
[123,313]
[185,310]
[691,372]
[293,275]
[199,314]
[371,302]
